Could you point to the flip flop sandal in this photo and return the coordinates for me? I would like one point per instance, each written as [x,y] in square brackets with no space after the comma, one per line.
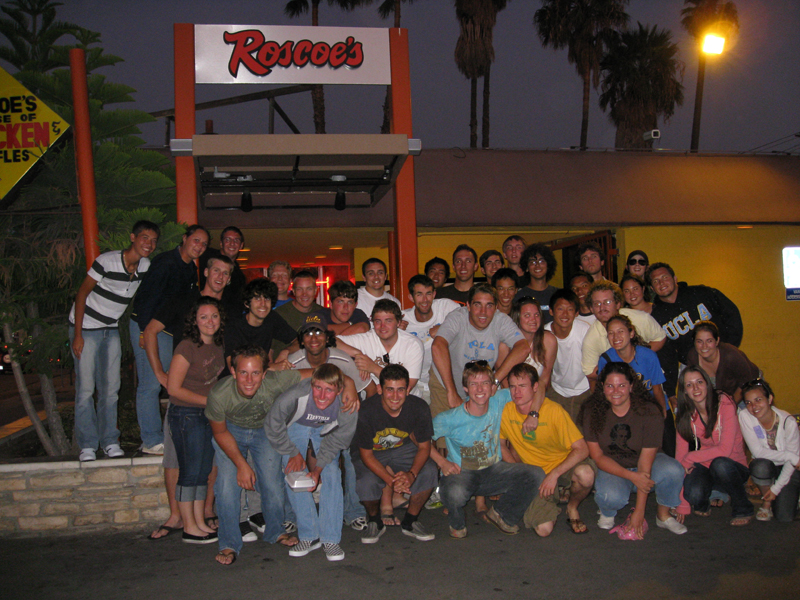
[168,529]
[576,524]
[231,554]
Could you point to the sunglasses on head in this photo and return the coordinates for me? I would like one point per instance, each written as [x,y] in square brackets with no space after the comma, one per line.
[480,363]
[637,261]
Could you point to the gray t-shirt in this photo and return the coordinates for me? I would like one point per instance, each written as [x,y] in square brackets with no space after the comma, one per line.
[466,343]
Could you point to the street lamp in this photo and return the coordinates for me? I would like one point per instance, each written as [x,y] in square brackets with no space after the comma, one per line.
[712,44]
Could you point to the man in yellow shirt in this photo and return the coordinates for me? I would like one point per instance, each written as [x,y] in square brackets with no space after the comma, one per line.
[555,445]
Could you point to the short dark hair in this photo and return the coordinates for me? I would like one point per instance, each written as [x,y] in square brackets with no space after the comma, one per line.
[387,306]
[628,276]
[586,246]
[481,288]
[438,261]
[305,273]
[583,274]
[143,225]
[419,280]
[514,238]
[234,229]
[249,351]
[546,253]
[260,287]
[369,261]
[461,248]
[659,265]
[487,255]
[330,338]
[221,258]
[524,370]
[565,294]
[394,372]
[193,228]
[505,273]
[343,289]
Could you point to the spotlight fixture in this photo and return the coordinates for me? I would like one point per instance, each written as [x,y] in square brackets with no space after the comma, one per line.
[339,203]
[247,201]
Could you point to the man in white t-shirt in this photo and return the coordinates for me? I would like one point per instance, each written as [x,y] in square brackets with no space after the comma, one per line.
[423,320]
[568,384]
[605,298]
[385,344]
[374,272]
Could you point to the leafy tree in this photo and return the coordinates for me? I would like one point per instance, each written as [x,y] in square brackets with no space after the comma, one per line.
[641,82]
[584,28]
[32,32]
[474,55]
[698,17]
[295,8]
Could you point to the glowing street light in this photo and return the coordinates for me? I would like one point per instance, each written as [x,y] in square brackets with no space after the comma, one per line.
[712,44]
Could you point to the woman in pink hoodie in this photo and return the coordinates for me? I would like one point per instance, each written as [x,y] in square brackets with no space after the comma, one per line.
[710,448]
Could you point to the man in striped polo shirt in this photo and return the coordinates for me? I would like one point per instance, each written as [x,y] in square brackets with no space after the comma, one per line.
[102,298]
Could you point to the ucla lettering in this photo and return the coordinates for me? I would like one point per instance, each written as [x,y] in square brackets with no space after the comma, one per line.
[481,345]
[259,56]
[705,314]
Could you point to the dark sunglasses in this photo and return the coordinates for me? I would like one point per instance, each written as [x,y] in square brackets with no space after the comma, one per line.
[386,360]
[637,261]
[480,363]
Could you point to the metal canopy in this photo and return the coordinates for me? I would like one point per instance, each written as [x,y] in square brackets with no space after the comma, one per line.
[295,171]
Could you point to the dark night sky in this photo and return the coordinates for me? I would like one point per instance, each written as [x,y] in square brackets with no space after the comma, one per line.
[751,94]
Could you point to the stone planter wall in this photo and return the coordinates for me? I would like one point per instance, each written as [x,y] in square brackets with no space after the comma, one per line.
[69,497]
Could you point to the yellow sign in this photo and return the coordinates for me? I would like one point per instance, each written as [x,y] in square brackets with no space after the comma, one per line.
[27,129]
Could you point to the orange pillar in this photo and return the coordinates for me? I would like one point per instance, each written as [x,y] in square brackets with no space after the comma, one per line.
[405,203]
[185,178]
[84,158]
[393,268]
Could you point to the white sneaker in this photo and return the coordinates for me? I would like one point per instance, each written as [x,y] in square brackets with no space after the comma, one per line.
[673,525]
[113,451]
[158,449]
[605,522]
[87,454]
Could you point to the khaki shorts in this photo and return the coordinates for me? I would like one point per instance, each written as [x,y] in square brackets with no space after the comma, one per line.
[438,401]
[544,510]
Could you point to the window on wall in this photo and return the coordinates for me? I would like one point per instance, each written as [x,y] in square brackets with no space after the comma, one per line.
[791,267]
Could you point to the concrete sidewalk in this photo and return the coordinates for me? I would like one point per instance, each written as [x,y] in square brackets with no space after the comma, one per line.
[713,560]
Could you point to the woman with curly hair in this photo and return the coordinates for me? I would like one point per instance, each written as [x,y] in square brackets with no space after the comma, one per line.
[774,441]
[196,364]
[623,426]
[710,448]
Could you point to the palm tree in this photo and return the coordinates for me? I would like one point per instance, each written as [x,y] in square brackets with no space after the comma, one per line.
[474,55]
[386,8]
[641,82]
[583,27]
[32,32]
[295,8]
[697,17]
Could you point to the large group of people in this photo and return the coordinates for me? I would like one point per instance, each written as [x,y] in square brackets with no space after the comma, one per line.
[291,420]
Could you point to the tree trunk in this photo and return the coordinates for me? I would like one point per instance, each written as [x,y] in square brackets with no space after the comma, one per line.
[473,113]
[48,392]
[386,126]
[27,403]
[397,13]
[318,101]
[630,135]
[698,102]
[585,119]
[485,124]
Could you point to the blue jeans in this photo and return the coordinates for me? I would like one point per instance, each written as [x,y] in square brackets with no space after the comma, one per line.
[191,433]
[352,506]
[269,483]
[612,492]
[327,525]
[765,472]
[98,366]
[723,474]
[517,482]
[148,408]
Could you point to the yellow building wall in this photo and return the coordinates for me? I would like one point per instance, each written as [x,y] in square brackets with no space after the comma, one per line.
[747,266]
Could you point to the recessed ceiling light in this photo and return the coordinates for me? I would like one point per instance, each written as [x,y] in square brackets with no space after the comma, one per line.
[245,250]
[334,247]
[310,263]
[744,227]
[320,256]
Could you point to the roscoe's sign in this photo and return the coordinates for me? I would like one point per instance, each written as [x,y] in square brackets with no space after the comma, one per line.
[263,54]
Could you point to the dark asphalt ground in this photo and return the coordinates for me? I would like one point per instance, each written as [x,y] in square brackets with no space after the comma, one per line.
[713,560]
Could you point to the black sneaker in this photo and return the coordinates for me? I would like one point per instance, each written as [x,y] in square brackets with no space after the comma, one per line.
[248,535]
[257,522]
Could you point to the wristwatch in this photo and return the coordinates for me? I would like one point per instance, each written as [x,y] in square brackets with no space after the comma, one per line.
[534,414]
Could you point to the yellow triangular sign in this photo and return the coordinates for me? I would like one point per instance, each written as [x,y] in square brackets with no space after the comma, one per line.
[27,130]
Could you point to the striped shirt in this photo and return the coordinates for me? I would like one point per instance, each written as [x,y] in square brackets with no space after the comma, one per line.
[115,287]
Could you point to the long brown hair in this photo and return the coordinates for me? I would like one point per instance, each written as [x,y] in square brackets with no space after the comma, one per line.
[537,345]
[596,406]
[636,340]
[686,407]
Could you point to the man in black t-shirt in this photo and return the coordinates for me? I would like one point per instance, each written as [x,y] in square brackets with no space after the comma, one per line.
[261,324]
[393,438]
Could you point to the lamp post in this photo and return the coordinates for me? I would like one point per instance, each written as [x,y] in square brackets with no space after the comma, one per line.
[712,44]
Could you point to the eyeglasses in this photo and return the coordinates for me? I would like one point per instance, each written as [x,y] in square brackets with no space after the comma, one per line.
[231,240]
[537,261]
[606,302]
[637,261]
[386,359]
[479,363]
[314,332]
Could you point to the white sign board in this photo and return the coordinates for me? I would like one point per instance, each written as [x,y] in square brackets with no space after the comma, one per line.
[295,55]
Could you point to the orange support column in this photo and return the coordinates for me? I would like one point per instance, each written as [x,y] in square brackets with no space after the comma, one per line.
[84,158]
[185,177]
[405,203]
[393,268]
